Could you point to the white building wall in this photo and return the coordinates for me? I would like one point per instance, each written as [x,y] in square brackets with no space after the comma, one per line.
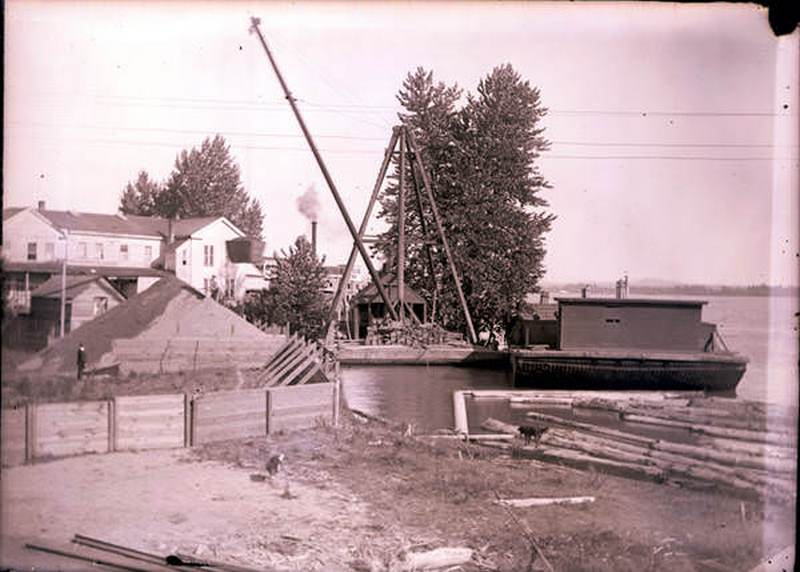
[95,249]
[26,227]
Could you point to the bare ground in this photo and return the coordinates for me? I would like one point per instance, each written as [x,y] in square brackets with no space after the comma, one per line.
[360,496]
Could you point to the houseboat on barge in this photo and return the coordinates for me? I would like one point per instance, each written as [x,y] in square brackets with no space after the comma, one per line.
[623,343]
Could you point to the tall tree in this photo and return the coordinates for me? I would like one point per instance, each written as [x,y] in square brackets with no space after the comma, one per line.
[296,291]
[482,161]
[204,182]
[140,197]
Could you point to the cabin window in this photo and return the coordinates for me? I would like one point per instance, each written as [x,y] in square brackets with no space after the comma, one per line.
[123,252]
[49,251]
[82,250]
[100,305]
[31,251]
[148,252]
[208,255]
[99,251]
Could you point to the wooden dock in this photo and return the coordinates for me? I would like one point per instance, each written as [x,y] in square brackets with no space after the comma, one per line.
[429,355]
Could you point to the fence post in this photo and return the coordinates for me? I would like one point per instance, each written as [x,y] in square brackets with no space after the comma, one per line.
[30,431]
[112,425]
[337,392]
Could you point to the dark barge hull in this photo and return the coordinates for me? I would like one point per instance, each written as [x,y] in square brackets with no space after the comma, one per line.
[608,370]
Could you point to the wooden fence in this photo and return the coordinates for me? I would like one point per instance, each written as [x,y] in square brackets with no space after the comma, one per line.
[45,430]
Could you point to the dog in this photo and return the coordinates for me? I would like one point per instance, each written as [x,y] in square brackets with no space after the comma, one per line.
[274,464]
[532,432]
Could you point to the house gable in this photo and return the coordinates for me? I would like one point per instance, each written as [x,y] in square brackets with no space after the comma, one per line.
[26,227]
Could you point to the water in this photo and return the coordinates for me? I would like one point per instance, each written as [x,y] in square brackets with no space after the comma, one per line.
[762,328]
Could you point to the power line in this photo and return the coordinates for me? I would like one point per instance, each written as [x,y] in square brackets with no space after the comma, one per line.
[366,138]
[368,108]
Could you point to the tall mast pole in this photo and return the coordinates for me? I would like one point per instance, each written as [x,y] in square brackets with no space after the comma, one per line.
[348,269]
[331,185]
[401,228]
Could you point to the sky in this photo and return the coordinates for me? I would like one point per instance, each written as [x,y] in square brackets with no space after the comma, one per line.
[673,127]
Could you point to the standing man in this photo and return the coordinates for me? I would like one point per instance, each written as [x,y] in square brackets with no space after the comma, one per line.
[81,360]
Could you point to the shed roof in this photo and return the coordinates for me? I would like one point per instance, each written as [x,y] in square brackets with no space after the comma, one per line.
[631,302]
[73,285]
[369,294]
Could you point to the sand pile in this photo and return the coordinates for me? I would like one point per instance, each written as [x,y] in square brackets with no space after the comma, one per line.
[168,327]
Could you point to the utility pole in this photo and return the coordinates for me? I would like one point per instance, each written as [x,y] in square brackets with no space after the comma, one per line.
[328,179]
[64,284]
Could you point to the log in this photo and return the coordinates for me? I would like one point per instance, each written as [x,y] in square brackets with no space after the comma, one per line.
[741,434]
[726,458]
[593,429]
[584,461]
[460,413]
[492,424]
[438,558]
[529,502]
[747,448]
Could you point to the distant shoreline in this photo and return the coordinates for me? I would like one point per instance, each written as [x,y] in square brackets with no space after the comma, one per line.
[683,289]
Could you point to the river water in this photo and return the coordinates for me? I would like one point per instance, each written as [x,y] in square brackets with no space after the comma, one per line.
[762,328]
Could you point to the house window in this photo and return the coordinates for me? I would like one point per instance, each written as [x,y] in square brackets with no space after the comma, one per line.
[31,251]
[100,305]
[123,252]
[49,251]
[82,250]
[100,251]
[148,252]
[208,255]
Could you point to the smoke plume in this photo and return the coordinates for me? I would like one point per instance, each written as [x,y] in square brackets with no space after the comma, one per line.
[308,203]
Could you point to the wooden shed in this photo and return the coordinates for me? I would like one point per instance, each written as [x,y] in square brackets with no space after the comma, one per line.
[86,296]
[646,324]
[536,327]
[367,305]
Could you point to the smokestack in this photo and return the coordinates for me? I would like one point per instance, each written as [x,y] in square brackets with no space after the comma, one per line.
[314,237]
[41,205]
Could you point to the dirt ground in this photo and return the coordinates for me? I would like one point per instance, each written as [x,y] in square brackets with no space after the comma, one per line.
[358,497]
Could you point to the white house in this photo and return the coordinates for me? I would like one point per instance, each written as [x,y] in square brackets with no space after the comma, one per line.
[132,252]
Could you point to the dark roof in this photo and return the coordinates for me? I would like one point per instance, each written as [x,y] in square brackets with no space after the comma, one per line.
[54,267]
[11,211]
[630,302]
[156,227]
[369,294]
[52,287]
[540,312]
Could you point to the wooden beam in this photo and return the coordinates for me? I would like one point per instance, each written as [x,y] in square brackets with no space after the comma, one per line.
[401,229]
[437,219]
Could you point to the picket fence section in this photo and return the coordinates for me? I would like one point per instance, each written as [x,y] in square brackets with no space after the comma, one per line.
[44,430]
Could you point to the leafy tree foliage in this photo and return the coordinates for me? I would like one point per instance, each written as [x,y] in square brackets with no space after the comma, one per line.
[140,197]
[204,182]
[481,158]
[295,295]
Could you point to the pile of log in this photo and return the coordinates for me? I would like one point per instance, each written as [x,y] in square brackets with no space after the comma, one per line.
[746,447]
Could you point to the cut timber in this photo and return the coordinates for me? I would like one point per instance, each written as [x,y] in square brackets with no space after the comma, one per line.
[499,426]
[525,503]
[438,558]
[583,461]
[741,434]
[589,428]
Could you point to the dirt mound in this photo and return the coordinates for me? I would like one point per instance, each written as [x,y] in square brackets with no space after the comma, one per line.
[127,320]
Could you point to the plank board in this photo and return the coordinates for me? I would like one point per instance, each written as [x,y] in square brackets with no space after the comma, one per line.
[149,422]
[12,436]
[70,428]
[299,406]
[229,415]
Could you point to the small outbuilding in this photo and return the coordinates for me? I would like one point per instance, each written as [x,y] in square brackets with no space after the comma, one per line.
[367,306]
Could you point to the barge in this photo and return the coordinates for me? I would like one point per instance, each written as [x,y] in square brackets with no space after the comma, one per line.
[625,343]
